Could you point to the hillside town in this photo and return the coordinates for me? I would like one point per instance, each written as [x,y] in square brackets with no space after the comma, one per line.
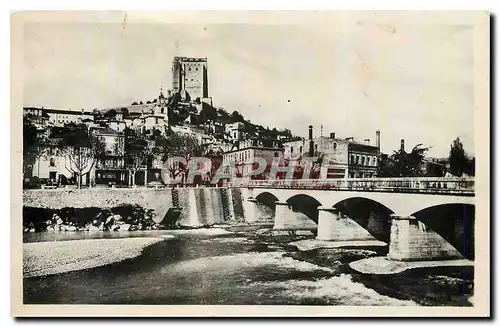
[131,145]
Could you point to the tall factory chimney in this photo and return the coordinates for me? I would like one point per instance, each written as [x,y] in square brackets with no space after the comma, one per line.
[402,145]
[377,139]
[311,142]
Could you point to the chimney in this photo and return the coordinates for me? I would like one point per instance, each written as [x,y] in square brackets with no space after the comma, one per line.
[311,142]
[402,145]
[367,141]
[377,139]
[332,136]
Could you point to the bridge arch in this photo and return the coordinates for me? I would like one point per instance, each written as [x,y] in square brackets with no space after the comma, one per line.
[449,215]
[267,204]
[305,204]
[369,214]
[430,201]
[265,195]
[454,222]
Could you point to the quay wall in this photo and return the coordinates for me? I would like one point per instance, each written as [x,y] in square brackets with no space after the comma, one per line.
[198,206]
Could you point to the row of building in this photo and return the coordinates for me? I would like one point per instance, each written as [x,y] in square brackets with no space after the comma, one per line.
[343,157]
[340,158]
[226,142]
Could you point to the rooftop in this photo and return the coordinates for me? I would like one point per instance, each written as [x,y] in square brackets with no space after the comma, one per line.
[105,131]
[189,59]
[136,108]
[60,111]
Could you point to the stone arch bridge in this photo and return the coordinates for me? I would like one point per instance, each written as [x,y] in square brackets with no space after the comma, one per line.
[420,218]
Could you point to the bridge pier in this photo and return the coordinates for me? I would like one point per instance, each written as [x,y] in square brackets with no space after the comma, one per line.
[286,219]
[412,240]
[251,209]
[283,215]
[333,226]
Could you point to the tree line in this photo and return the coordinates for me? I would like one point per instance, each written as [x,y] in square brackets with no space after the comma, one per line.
[80,149]
[414,164]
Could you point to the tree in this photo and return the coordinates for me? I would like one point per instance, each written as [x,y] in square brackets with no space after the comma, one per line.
[222,112]
[124,112]
[470,167]
[237,117]
[457,157]
[137,151]
[410,164]
[177,145]
[36,144]
[208,113]
[249,128]
[385,166]
[96,113]
[81,151]
[403,164]
[134,103]
[141,102]
[110,113]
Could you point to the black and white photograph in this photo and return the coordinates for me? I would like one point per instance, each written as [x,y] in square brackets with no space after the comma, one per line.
[306,160]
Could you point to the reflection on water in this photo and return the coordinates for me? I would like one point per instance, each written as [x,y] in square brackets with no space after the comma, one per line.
[214,267]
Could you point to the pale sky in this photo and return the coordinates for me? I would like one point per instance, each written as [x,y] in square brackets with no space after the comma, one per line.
[410,81]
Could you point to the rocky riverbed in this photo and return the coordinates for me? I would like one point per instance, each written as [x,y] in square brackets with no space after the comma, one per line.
[122,218]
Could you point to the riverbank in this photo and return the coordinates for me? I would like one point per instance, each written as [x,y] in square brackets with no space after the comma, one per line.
[47,258]
[159,201]
[384,266]
[69,219]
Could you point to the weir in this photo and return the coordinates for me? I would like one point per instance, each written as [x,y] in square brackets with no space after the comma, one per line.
[218,210]
[194,217]
[230,204]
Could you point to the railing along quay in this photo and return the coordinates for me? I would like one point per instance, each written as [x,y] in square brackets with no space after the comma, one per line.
[450,185]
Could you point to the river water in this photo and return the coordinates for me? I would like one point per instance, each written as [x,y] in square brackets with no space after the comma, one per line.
[241,265]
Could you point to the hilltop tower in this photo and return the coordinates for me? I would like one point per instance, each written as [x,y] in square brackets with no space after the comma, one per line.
[190,79]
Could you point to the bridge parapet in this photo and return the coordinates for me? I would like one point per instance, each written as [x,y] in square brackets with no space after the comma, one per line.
[432,185]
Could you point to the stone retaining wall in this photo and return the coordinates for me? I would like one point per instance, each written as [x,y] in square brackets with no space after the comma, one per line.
[209,202]
[159,200]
